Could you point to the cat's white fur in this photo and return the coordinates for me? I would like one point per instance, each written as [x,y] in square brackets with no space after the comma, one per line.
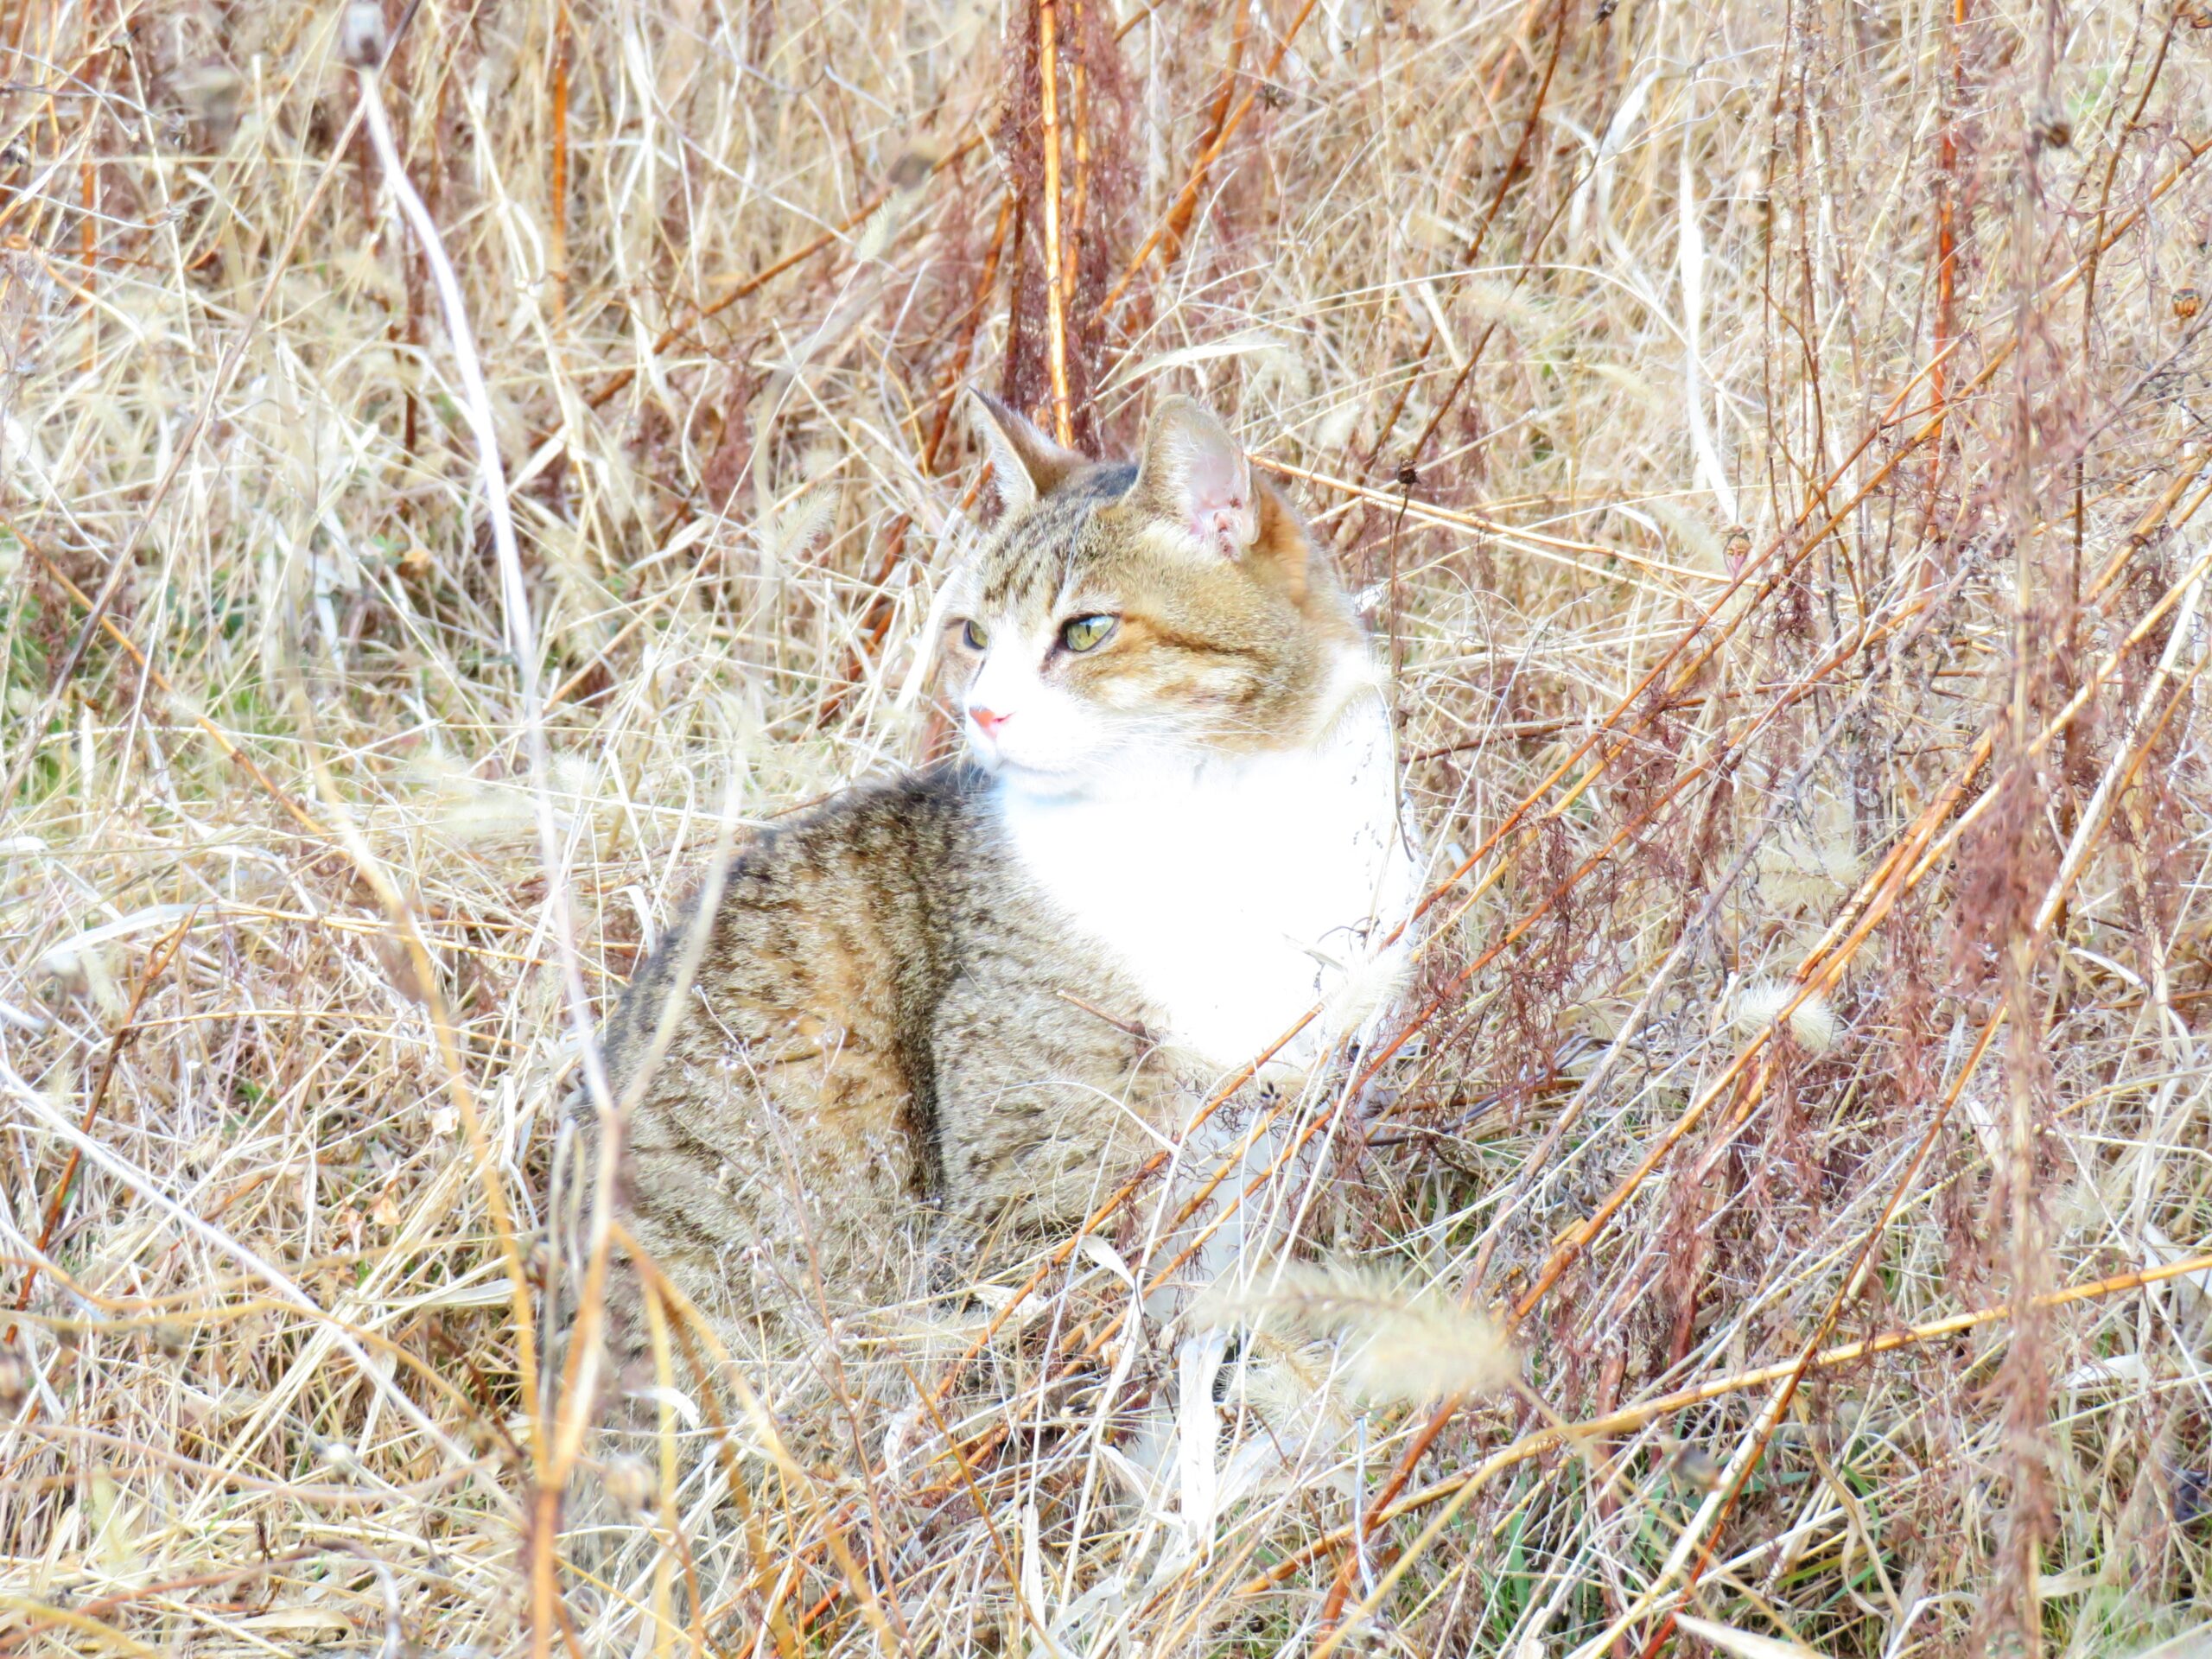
[1239,891]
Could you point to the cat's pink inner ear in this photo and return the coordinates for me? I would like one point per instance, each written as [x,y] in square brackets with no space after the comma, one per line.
[1219,483]
[1194,474]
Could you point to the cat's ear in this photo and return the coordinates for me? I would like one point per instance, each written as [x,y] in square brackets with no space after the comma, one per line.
[1025,463]
[1195,483]
[1194,478]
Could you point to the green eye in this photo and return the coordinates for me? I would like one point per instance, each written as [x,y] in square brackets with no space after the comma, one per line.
[975,635]
[1087,632]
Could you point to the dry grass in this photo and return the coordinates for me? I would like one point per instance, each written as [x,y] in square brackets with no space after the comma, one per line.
[1771,439]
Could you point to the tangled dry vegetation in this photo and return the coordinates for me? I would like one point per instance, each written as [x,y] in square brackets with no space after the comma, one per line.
[1769,438]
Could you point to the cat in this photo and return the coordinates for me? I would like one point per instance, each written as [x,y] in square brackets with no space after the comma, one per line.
[982,994]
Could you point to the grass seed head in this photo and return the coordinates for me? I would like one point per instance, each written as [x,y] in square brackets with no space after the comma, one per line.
[629,1482]
[1399,1342]
[1813,1024]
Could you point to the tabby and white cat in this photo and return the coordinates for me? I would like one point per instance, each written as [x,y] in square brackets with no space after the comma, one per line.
[996,986]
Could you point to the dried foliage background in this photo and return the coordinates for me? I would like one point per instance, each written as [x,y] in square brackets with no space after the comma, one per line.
[1770,439]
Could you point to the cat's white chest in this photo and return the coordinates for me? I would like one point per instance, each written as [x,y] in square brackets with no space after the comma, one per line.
[1238,892]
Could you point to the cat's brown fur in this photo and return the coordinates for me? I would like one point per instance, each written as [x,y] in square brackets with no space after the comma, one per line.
[880,1014]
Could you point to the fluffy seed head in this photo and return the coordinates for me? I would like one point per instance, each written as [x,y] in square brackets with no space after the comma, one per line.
[1813,1023]
[1401,1342]
[629,1483]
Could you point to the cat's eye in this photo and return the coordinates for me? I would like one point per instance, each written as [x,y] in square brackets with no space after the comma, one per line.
[1087,632]
[975,635]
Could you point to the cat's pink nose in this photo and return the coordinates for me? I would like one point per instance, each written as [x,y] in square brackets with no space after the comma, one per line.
[988,722]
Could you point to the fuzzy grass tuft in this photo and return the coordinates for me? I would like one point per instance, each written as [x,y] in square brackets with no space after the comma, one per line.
[1399,1342]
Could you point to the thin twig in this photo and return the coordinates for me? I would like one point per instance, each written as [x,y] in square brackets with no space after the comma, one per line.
[1048,99]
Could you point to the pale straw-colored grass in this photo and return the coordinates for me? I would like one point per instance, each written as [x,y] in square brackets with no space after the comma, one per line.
[1769,440]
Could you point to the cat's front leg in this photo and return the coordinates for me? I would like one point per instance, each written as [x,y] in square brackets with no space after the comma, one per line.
[1232,1207]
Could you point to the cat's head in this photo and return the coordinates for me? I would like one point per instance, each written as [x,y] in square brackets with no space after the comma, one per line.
[1124,613]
